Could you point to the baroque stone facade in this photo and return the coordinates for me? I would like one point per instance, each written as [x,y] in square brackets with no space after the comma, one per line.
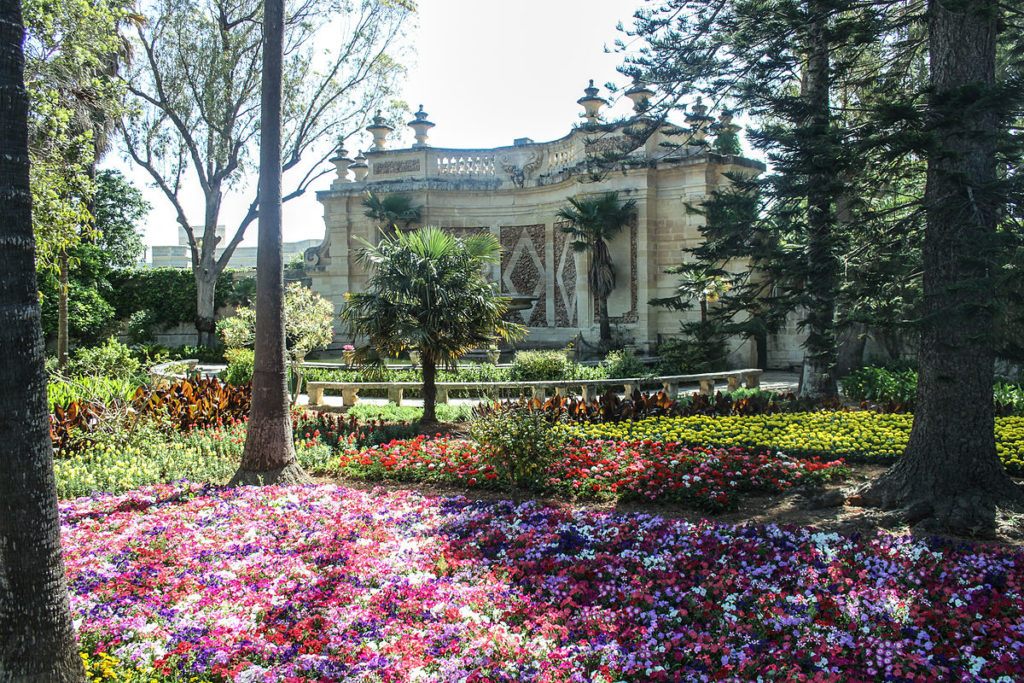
[514,193]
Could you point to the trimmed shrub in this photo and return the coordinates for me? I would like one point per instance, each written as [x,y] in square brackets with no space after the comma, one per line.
[111,359]
[521,443]
[623,363]
[240,367]
[539,366]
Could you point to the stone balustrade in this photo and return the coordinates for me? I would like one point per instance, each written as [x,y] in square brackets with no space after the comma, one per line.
[539,390]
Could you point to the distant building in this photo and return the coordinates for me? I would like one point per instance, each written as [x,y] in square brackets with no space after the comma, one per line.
[178,256]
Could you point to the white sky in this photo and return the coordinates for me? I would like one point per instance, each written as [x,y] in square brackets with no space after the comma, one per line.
[486,72]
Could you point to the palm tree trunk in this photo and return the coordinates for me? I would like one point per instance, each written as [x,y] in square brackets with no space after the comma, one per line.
[37,636]
[429,388]
[62,310]
[602,314]
[269,455]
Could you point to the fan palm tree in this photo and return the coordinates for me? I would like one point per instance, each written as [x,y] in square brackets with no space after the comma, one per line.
[592,223]
[391,210]
[427,292]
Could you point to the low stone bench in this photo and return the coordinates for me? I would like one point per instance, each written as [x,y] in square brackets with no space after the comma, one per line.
[539,390]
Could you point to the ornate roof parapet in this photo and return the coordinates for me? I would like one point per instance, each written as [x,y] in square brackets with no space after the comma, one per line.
[591,104]
[699,122]
[640,95]
[360,168]
[342,163]
[379,130]
[421,126]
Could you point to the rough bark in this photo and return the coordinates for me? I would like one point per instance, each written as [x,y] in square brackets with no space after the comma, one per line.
[950,477]
[269,454]
[429,388]
[62,310]
[819,380]
[37,637]
[206,309]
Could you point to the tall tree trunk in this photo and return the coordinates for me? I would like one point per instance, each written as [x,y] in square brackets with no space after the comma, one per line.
[206,309]
[62,310]
[37,636]
[429,388]
[602,316]
[819,380]
[269,454]
[950,478]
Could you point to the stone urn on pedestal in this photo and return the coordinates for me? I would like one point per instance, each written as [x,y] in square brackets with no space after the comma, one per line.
[414,358]
[493,354]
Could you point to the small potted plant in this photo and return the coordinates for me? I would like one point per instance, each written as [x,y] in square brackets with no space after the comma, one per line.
[570,352]
[347,352]
[493,353]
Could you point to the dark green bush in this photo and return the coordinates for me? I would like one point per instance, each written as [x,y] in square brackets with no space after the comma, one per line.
[170,293]
[688,356]
[881,385]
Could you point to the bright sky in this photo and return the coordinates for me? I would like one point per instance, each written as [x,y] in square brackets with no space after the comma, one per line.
[486,72]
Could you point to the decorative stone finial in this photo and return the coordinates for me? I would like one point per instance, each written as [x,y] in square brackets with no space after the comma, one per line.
[379,130]
[699,122]
[421,126]
[591,103]
[640,95]
[341,163]
[360,168]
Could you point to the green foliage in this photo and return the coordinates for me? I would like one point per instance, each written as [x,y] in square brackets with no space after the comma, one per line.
[521,443]
[389,412]
[118,208]
[308,323]
[89,389]
[880,385]
[140,327]
[111,359]
[624,363]
[349,431]
[539,366]
[168,293]
[91,319]
[392,210]
[240,367]
[688,356]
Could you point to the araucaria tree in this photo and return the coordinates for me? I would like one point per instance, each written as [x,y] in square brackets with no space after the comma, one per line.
[37,636]
[269,453]
[196,84]
[427,292]
[782,62]
[592,223]
[950,477]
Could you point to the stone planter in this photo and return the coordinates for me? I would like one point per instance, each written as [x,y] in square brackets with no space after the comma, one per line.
[414,358]
[493,355]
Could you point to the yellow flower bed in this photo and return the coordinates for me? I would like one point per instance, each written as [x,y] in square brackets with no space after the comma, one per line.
[862,436]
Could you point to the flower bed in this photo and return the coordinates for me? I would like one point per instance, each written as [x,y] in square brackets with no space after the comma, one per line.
[708,478]
[327,583]
[862,436]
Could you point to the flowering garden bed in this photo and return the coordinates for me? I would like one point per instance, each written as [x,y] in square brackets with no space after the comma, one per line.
[328,583]
[706,478]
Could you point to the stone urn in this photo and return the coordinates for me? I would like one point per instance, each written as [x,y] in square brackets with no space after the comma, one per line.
[570,355]
[414,358]
[493,355]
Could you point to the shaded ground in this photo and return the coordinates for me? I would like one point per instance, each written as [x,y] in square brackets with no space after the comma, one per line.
[817,507]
